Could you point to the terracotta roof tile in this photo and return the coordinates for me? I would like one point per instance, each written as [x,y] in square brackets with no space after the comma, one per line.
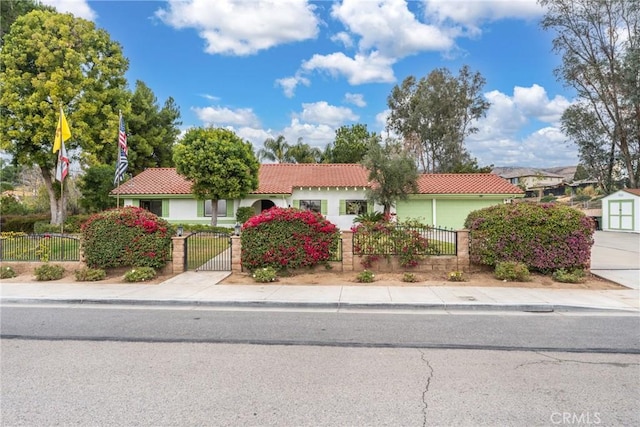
[465,183]
[284,177]
[281,178]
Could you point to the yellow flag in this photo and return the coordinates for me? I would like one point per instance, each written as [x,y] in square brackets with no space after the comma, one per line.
[62,132]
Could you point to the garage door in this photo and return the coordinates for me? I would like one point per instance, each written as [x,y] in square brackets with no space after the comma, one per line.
[621,215]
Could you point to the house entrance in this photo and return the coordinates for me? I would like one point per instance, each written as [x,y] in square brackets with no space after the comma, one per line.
[207,251]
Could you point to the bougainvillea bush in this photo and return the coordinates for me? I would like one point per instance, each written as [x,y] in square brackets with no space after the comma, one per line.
[287,239]
[544,237]
[126,237]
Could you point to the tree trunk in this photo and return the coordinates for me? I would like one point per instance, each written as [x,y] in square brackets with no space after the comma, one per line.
[214,212]
[57,202]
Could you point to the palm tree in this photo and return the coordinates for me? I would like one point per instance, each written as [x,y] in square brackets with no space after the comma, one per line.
[275,150]
[304,153]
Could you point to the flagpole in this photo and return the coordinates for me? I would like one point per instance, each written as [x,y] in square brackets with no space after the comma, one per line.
[60,215]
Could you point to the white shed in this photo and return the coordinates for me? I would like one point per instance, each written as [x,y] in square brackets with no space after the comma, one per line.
[621,211]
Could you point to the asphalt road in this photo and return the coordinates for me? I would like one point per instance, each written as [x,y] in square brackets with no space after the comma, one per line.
[202,367]
[419,329]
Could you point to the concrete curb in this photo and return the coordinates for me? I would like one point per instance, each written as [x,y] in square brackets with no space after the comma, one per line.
[526,308]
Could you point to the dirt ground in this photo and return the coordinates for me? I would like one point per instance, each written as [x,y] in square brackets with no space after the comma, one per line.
[478,278]
[424,279]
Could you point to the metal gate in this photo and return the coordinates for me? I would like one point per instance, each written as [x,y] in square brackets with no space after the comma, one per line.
[207,251]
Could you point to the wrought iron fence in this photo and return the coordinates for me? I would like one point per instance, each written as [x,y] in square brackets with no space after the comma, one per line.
[39,247]
[336,251]
[392,240]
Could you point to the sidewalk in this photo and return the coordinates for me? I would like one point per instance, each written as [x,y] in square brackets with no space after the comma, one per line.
[201,289]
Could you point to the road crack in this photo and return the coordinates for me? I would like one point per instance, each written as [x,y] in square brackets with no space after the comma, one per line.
[557,360]
[425,404]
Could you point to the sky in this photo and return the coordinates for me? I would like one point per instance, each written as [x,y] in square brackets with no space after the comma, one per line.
[302,69]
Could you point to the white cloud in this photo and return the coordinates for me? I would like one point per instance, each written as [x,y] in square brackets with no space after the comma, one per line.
[316,135]
[323,113]
[502,139]
[389,27]
[236,27]
[344,38]
[533,101]
[471,13]
[79,8]
[370,68]
[255,136]
[223,116]
[356,99]
[210,97]
[289,84]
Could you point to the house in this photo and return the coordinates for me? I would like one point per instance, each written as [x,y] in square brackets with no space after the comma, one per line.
[531,180]
[338,191]
[621,211]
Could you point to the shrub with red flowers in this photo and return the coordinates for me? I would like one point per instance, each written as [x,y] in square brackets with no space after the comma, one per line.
[544,237]
[287,239]
[406,241]
[126,237]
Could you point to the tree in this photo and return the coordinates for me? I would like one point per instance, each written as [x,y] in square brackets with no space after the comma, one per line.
[50,60]
[303,153]
[599,43]
[12,9]
[95,185]
[275,150]
[435,114]
[393,171]
[151,131]
[349,146]
[219,164]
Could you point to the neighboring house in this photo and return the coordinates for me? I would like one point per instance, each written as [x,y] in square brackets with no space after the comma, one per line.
[621,211]
[530,179]
[338,191]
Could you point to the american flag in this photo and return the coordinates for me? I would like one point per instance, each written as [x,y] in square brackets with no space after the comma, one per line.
[123,162]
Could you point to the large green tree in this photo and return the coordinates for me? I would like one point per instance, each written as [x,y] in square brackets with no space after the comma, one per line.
[275,150]
[435,114]
[51,60]
[95,185]
[152,131]
[599,44]
[350,144]
[302,152]
[220,164]
[392,170]
[10,10]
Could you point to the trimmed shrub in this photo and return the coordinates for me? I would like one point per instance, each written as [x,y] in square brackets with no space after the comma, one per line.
[569,276]
[512,271]
[140,274]
[544,237]
[409,278]
[49,272]
[126,237]
[456,276]
[365,276]
[287,239]
[7,273]
[23,223]
[87,274]
[265,275]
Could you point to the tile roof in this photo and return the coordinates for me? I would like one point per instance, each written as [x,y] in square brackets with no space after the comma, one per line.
[282,178]
[465,183]
[635,191]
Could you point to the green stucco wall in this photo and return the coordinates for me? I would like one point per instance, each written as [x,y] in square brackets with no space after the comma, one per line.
[450,213]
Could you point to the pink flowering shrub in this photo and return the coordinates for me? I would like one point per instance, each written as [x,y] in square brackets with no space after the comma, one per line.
[544,237]
[126,237]
[287,239]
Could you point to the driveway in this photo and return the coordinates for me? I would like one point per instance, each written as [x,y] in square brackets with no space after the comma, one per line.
[616,257]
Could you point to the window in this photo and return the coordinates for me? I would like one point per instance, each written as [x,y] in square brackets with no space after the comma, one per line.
[311,205]
[222,208]
[356,207]
[153,206]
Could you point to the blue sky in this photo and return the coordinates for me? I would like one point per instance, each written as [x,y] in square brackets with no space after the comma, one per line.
[304,68]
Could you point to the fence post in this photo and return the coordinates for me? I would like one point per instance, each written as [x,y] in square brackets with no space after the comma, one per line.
[177,254]
[463,249]
[236,254]
[347,250]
